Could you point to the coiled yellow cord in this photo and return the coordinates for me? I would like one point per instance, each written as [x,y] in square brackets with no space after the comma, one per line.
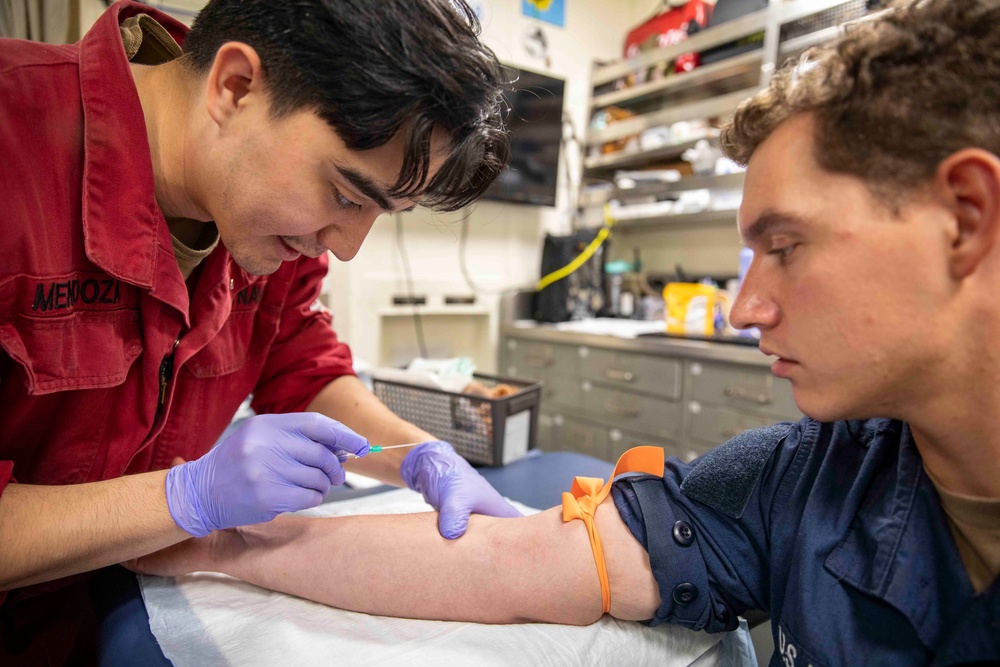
[582,258]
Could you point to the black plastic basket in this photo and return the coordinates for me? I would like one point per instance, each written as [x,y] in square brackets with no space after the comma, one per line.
[489,431]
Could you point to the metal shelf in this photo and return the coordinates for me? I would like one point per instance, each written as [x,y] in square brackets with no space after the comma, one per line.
[605,163]
[714,182]
[812,39]
[727,32]
[705,39]
[714,106]
[701,219]
[719,182]
[768,20]
[725,69]
[793,11]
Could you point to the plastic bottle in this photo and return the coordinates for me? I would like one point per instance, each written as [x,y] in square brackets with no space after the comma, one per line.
[614,293]
[626,304]
[615,285]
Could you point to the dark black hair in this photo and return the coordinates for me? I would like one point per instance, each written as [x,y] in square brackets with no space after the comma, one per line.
[373,69]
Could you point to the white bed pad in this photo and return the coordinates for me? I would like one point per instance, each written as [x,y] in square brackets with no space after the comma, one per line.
[210,619]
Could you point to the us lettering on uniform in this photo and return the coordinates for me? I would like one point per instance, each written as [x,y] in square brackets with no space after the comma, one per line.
[787,650]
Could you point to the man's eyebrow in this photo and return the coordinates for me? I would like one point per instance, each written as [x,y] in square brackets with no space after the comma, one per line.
[367,186]
[766,223]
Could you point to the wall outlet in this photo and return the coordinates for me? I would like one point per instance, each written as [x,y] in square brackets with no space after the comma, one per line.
[409,300]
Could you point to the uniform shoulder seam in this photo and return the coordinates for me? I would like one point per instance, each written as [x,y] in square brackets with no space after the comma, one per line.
[14,68]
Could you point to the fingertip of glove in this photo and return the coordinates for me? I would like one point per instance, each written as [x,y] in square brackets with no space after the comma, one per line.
[451,528]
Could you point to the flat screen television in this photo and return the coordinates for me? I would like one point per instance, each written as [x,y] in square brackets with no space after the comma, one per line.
[534,121]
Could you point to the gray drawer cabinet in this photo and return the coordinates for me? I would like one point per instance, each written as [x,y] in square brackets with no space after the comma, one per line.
[635,412]
[603,401]
[554,365]
[712,425]
[740,387]
[634,372]
[547,433]
[571,434]
[620,442]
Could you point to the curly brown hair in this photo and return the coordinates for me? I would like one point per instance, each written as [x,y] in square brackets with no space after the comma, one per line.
[892,97]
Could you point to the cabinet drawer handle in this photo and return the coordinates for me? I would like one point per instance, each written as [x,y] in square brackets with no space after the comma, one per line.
[538,362]
[621,376]
[613,408]
[740,393]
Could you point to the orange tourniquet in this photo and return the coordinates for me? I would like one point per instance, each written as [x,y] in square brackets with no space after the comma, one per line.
[587,494]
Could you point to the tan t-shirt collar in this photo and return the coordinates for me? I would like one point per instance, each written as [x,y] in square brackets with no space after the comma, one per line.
[147,42]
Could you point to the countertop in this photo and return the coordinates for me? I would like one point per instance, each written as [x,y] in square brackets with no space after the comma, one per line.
[668,347]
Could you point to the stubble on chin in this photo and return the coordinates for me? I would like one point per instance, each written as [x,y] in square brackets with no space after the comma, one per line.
[251,260]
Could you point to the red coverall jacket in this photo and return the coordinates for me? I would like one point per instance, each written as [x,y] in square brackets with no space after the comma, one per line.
[106,366]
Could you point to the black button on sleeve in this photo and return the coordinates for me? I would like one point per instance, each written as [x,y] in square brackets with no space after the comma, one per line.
[683,535]
[685,593]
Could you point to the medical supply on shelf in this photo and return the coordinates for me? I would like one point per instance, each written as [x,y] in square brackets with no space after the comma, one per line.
[690,308]
[449,374]
[614,285]
[702,157]
[626,180]
[622,286]
[626,304]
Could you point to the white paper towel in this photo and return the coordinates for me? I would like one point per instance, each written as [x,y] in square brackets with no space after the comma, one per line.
[210,619]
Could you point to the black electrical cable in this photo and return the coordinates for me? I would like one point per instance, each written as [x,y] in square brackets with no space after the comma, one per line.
[418,323]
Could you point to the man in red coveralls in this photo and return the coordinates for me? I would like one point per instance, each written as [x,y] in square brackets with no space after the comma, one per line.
[165,219]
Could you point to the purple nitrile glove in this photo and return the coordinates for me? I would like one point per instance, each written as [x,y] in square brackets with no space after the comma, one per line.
[452,487]
[271,464]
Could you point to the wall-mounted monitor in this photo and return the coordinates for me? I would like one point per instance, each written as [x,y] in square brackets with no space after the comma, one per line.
[535,125]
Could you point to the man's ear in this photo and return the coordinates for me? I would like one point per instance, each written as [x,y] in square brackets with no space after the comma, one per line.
[235,73]
[970,181]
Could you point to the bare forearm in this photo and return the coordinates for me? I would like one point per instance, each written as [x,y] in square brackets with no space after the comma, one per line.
[534,568]
[48,532]
[502,571]
[348,401]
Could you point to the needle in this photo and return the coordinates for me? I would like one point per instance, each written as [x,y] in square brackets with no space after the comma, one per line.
[375,449]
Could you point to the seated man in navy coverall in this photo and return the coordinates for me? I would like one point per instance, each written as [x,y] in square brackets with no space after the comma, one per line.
[869,531]
[167,203]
